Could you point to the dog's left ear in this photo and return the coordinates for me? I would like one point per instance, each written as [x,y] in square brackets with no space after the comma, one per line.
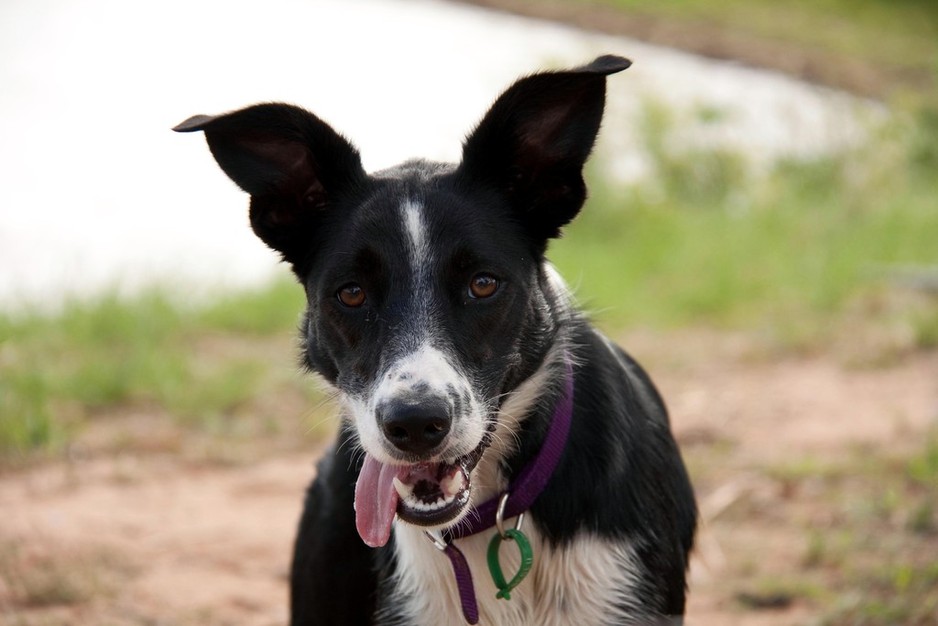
[533,142]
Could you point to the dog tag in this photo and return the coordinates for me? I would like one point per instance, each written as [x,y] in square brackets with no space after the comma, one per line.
[495,567]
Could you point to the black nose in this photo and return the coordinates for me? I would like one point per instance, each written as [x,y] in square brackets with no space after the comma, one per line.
[416,428]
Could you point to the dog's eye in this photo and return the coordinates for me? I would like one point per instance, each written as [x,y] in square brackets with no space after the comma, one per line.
[483,286]
[351,295]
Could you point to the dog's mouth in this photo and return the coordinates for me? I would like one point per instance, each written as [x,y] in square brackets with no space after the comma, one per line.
[424,494]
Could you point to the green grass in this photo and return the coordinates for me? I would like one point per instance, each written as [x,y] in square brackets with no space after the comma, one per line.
[905,28]
[898,38]
[791,252]
[872,551]
[890,594]
[923,469]
[255,313]
[199,366]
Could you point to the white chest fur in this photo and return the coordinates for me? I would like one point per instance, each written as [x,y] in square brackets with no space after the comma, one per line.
[581,583]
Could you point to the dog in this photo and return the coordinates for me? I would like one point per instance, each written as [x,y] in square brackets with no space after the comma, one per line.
[489,431]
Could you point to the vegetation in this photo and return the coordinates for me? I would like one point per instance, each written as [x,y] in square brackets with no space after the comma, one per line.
[208,368]
[878,48]
[794,252]
[874,558]
[899,33]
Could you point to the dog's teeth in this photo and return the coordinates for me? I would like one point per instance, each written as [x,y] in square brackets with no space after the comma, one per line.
[404,491]
[450,486]
[419,505]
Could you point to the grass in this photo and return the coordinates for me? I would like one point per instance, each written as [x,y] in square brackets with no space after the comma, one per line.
[846,543]
[201,367]
[885,32]
[873,554]
[791,252]
[881,48]
[891,594]
[923,469]
[258,314]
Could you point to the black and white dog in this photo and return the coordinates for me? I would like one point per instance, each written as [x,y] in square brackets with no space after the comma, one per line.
[473,391]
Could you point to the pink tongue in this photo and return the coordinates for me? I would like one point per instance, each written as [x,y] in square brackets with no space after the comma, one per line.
[375,501]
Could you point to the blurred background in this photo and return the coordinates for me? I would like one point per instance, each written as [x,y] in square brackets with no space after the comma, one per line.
[762,234]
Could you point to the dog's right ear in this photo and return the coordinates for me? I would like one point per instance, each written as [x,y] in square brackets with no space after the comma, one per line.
[534,140]
[292,163]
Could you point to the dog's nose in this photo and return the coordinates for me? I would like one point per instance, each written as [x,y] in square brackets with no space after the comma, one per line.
[416,428]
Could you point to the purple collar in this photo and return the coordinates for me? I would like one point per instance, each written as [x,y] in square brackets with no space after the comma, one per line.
[522,492]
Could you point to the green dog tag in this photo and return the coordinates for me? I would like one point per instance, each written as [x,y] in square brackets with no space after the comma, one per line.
[495,567]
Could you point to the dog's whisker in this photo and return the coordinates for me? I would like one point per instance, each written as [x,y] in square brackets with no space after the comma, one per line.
[355,453]
[316,412]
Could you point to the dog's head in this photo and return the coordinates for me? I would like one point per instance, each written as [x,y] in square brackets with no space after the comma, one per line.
[428,300]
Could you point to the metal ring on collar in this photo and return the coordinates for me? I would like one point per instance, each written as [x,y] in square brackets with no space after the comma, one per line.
[436,539]
[500,517]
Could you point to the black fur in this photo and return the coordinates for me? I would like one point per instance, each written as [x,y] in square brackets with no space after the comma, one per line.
[520,181]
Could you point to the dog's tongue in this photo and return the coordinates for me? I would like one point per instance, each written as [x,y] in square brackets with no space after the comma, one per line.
[375,501]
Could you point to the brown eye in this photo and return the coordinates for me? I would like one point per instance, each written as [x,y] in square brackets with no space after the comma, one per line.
[351,295]
[483,286]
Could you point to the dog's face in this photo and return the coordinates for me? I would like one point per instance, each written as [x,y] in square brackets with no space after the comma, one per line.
[428,302]
[418,312]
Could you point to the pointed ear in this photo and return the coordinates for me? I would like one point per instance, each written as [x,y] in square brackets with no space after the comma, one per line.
[292,163]
[533,142]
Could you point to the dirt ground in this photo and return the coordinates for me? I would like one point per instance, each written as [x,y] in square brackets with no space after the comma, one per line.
[154,539]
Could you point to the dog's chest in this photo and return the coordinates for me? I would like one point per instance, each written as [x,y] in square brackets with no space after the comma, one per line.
[588,581]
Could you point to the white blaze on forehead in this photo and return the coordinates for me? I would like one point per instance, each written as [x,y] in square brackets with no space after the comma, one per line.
[416,230]
[419,257]
[425,363]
